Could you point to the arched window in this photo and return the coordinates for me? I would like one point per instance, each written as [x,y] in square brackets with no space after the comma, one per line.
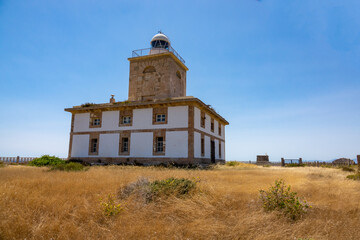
[149,69]
[178,74]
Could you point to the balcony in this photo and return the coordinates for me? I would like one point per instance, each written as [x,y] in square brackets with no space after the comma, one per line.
[146,52]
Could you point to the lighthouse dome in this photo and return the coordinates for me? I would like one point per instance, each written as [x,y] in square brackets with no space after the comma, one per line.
[160,40]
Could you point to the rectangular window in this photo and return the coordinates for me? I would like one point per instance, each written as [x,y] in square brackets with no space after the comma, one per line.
[94,145]
[219,149]
[96,122]
[160,118]
[202,120]
[212,125]
[202,147]
[125,145]
[219,129]
[126,120]
[159,144]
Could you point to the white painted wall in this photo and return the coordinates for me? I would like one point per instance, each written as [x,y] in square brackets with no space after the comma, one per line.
[178,117]
[141,144]
[142,119]
[110,120]
[80,146]
[216,149]
[81,122]
[207,147]
[197,145]
[222,150]
[109,145]
[207,129]
[176,144]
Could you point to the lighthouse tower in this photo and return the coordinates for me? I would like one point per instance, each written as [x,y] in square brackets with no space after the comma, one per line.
[158,124]
[157,72]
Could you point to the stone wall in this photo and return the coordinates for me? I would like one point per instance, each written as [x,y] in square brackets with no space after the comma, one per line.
[156,77]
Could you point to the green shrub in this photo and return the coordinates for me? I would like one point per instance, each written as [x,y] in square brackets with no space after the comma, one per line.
[69,166]
[172,186]
[280,197]
[232,163]
[354,176]
[87,104]
[266,165]
[110,207]
[46,160]
[347,169]
[149,191]
[2,164]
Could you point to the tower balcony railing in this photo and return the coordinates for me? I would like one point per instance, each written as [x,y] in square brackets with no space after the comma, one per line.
[146,51]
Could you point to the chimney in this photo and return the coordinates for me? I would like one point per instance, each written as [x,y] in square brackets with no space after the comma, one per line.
[112,99]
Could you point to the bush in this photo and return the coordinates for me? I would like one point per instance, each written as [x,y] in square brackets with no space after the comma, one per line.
[172,186]
[347,169]
[232,163]
[149,191]
[2,164]
[46,160]
[110,207]
[280,197]
[354,176]
[87,104]
[69,166]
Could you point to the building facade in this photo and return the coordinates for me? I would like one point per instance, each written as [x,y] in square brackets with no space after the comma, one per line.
[157,124]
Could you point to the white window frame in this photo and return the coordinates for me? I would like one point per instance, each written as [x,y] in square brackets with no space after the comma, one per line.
[96,121]
[126,120]
[160,144]
[160,117]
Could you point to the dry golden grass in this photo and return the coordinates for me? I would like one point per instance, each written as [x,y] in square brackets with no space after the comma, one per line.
[37,204]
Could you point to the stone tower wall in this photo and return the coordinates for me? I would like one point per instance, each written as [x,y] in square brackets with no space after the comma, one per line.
[155,77]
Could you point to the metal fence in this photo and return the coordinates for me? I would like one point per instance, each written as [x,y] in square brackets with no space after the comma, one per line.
[19,159]
[146,51]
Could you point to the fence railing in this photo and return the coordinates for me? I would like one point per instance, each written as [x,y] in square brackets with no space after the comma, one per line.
[313,163]
[147,51]
[19,159]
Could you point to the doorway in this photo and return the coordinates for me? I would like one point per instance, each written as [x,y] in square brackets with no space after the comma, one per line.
[212,147]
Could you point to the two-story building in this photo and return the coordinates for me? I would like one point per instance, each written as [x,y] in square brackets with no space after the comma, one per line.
[158,124]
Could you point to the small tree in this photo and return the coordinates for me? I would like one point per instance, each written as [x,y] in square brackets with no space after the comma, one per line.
[280,197]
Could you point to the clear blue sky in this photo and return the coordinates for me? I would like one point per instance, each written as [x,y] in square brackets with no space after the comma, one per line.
[285,74]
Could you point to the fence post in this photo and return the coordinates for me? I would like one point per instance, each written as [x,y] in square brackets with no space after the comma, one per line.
[17,159]
[358,162]
[300,160]
[282,162]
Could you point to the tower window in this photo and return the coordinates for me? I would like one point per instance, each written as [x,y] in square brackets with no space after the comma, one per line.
[219,129]
[212,125]
[160,44]
[178,74]
[149,69]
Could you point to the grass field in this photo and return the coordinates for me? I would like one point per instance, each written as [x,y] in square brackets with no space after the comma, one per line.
[40,204]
